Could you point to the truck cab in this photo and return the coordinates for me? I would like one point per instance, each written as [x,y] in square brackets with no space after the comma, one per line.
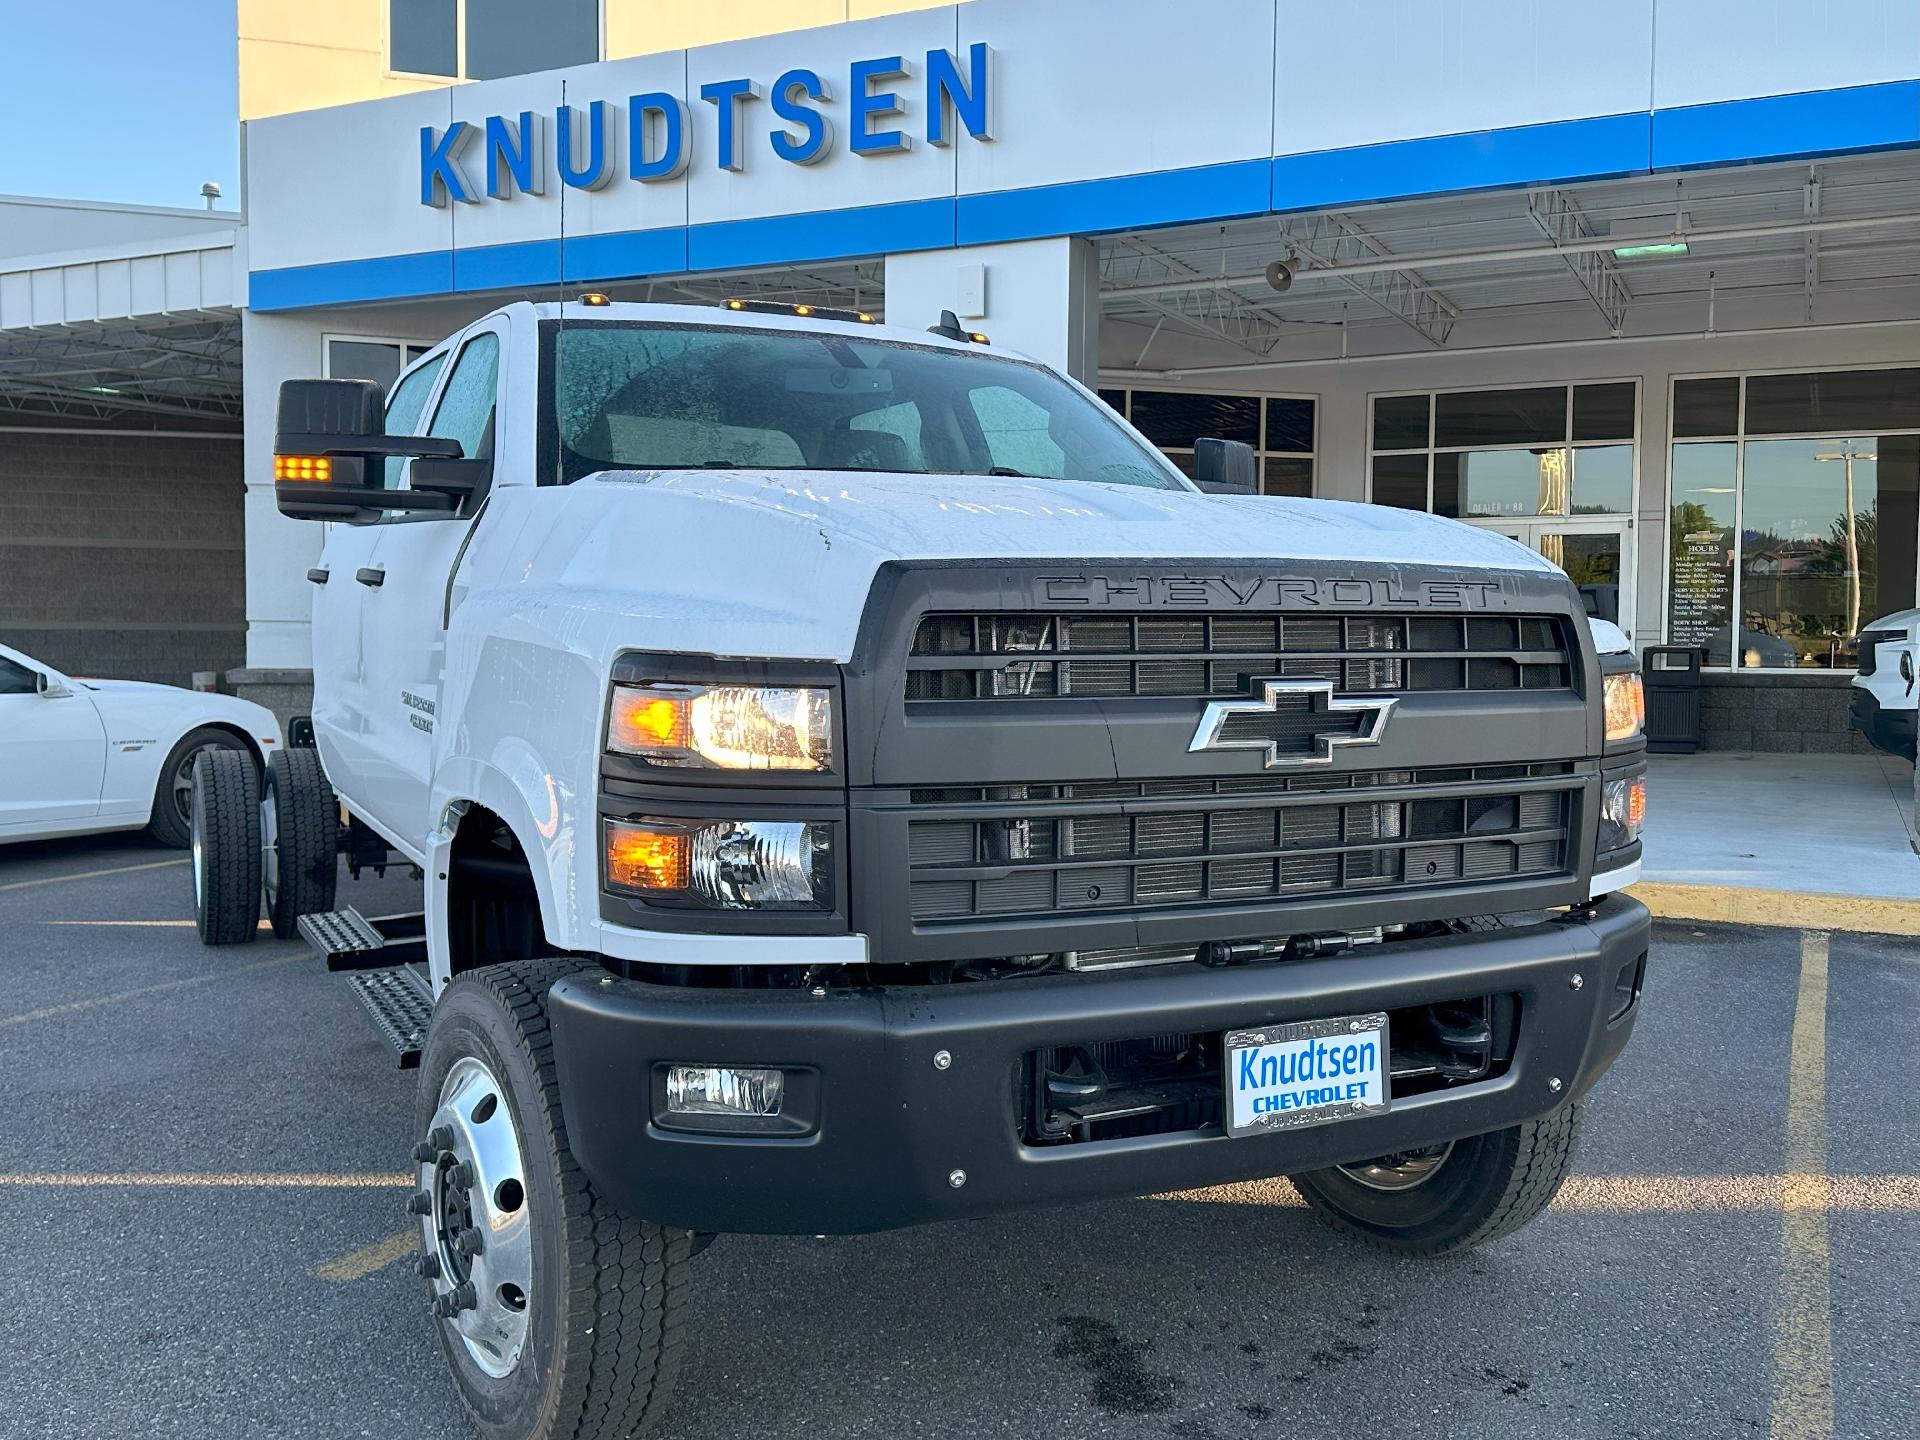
[857,781]
[1883,705]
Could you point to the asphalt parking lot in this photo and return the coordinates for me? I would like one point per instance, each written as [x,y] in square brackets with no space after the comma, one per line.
[202,1210]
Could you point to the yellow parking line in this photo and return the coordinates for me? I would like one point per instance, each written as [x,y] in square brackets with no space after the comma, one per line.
[91,874]
[143,924]
[1803,1331]
[208,1180]
[1663,1194]
[358,1264]
[48,1012]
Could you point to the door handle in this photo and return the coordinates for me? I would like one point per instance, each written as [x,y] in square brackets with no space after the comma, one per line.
[371,575]
[318,575]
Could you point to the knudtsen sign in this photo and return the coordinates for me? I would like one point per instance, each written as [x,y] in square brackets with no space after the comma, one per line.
[657,129]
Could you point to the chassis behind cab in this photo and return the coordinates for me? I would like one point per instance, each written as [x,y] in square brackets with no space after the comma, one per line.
[856,781]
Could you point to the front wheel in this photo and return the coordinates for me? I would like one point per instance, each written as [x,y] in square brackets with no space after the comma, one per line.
[559,1315]
[1449,1196]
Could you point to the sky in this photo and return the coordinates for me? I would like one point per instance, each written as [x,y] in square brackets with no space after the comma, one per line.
[127,100]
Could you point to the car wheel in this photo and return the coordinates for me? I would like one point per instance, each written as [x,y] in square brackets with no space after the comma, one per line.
[224,836]
[1449,1196]
[559,1314]
[171,822]
[299,839]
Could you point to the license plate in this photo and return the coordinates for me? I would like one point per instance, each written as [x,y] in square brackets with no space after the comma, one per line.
[1306,1073]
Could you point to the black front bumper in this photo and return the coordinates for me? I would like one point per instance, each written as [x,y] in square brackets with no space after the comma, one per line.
[888,1130]
[1888,730]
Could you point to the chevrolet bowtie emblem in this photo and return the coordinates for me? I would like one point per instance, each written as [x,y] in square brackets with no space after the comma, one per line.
[1266,701]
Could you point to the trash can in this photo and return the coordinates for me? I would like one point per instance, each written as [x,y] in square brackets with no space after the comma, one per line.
[1672,674]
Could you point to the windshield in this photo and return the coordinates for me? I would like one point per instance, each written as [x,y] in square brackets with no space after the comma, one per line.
[691,397]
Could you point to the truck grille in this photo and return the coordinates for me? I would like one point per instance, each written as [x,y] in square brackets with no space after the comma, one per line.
[1032,850]
[996,656]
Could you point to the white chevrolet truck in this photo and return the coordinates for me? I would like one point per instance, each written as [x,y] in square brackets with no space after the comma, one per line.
[857,781]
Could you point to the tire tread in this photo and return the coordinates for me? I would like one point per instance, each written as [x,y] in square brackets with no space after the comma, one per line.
[230,799]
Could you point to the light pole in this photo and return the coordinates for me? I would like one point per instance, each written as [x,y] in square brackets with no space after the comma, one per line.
[1849,455]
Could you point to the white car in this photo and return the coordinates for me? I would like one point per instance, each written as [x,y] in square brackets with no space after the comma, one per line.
[1884,705]
[81,756]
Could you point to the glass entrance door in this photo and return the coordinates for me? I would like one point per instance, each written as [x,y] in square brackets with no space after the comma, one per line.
[1596,554]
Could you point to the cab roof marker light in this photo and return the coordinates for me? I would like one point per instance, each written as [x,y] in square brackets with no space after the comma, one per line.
[801,309]
[594,298]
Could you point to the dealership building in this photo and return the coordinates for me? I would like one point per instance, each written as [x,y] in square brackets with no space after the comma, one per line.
[1637,287]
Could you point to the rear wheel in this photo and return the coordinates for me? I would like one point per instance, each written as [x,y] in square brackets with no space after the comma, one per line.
[559,1315]
[1449,1196]
[299,839]
[224,837]
[171,820]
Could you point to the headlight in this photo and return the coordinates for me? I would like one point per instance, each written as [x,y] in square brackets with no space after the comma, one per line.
[723,864]
[724,727]
[1623,809]
[1626,698]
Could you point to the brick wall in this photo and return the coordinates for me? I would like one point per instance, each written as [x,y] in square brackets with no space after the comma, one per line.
[1779,714]
[123,556]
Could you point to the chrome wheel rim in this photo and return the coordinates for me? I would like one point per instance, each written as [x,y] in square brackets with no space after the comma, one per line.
[183,782]
[478,1228]
[1402,1170]
[270,847]
[198,844]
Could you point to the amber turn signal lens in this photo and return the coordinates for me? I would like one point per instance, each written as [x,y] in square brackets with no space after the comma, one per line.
[640,859]
[1637,806]
[645,722]
[317,468]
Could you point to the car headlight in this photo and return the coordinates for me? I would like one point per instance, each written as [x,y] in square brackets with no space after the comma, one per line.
[1626,704]
[722,864]
[724,727]
[1623,809]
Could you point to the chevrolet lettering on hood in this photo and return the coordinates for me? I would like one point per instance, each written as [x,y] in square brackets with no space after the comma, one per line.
[1251,592]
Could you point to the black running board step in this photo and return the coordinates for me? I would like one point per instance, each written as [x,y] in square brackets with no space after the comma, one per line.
[400,1002]
[348,940]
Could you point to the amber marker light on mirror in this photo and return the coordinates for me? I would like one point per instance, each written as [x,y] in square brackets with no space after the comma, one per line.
[303,467]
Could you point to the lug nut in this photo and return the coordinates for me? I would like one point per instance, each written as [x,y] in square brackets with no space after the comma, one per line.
[463,1297]
[424,1153]
[469,1242]
[461,1176]
[419,1203]
[427,1267]
[441,1137]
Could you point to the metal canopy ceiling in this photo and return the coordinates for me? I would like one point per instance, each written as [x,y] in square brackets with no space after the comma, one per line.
[155,373]
[1830,242]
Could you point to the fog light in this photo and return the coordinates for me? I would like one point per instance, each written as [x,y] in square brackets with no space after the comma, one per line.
[723,1090]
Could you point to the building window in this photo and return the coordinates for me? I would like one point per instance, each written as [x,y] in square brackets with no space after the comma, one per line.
[1280,428]
[360,358]
[487,39]
[1796,508]
[1555,450]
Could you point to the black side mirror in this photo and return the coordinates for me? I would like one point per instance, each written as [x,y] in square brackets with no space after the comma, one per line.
[326,433]
[1225,467]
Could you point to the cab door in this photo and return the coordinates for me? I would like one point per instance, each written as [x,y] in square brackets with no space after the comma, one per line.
[342,705]
[53,751]
[404,610]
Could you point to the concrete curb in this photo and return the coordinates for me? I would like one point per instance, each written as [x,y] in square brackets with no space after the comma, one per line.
[1786,909]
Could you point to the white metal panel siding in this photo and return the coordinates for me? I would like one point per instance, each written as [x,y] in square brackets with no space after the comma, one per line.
[1125,87]
[344,184]
[1709,50]
[1404,69]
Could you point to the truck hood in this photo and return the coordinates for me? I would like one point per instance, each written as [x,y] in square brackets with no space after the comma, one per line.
[780,565]
[936,517]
